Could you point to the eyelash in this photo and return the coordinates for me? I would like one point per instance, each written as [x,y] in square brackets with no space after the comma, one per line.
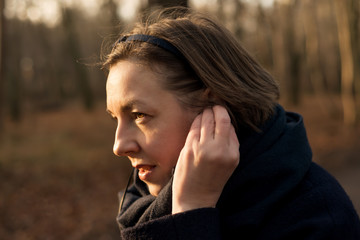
[113,118]
[139,115]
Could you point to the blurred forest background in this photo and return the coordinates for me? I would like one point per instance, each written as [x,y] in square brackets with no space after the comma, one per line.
[58,176]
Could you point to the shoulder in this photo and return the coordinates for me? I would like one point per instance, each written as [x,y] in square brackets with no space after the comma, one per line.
[317,208]
[331,196]
[319,185]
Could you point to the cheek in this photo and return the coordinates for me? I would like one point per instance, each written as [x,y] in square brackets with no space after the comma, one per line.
[180,132]
[169,142]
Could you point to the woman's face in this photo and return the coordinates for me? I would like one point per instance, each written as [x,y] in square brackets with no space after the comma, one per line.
[152,126]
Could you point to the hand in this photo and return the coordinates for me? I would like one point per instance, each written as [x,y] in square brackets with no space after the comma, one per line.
[206,162]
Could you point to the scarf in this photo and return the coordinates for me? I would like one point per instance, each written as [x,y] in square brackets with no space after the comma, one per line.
[143,206]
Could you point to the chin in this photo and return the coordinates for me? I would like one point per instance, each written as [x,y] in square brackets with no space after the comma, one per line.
[154,189]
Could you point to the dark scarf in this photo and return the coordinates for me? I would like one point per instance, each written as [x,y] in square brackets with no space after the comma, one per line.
[143,206]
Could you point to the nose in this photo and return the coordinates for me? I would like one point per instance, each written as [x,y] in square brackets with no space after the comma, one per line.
[125,141]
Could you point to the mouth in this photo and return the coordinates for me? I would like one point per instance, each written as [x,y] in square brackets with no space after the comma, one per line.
[145,171]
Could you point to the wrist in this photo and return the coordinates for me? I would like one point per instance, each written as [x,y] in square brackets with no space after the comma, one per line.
[179,207]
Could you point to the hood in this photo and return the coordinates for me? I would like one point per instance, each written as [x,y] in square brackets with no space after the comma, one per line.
[272,163]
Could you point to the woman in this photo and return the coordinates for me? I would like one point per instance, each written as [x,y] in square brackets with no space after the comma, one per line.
[215,156]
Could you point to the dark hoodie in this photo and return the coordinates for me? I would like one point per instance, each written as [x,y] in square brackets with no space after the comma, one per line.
[276,192]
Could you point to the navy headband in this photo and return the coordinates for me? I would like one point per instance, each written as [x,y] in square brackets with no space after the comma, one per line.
[153,40]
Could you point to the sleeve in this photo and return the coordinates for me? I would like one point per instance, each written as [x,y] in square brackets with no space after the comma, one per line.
[195,224]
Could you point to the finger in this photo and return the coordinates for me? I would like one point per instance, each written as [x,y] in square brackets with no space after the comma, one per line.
[222,123]
[234,146]
[194,132]
[234,141]
[207,125]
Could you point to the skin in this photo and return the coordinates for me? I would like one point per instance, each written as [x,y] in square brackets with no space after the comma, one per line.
[206,162]
[151,125]
[158,134]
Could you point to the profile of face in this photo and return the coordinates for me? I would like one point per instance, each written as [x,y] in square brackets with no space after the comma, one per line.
[152,125]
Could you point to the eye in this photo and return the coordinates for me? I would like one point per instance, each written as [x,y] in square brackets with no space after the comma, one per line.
[139,115]
[140,118]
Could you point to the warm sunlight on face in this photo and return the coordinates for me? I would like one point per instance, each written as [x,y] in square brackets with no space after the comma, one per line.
[151,124]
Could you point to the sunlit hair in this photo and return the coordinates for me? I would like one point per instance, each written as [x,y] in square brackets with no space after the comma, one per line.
[215,69]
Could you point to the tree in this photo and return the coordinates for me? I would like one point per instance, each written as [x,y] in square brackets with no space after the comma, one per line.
[311,32]
[347,63]
[354,12]
[74,50]
[2,56]
[286,46]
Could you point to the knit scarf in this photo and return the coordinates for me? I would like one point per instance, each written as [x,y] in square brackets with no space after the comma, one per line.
[144,208]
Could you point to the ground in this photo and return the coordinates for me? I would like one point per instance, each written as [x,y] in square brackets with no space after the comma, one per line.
[59,178]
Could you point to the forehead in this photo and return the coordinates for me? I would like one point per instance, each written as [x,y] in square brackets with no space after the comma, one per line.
[131,82]
[127,74]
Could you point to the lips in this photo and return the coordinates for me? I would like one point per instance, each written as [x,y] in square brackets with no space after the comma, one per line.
[145,171]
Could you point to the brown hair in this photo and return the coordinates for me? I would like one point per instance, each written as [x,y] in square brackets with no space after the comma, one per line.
[214,63]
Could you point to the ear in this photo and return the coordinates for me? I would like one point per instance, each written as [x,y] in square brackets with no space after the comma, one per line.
[206,93]
[210,98]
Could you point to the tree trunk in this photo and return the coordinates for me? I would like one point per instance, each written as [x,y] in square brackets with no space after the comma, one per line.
[347,64]
[354,10]
[312,45]
[2,61]
[280,59]
[73,48]
[287,57]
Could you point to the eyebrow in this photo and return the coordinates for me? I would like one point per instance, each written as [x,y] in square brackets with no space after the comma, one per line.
[128,106]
